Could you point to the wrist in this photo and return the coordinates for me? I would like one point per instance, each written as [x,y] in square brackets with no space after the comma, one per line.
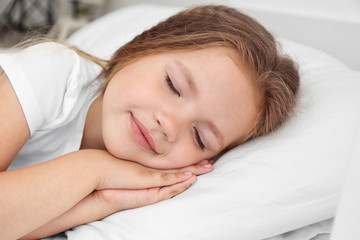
[96,162]
[89,161]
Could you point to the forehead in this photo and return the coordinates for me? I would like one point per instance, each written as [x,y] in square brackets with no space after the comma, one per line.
[226,94]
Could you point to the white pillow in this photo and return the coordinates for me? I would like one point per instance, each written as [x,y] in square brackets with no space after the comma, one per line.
[286,180]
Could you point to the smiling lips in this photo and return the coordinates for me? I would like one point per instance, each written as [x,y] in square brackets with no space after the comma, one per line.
[141,134]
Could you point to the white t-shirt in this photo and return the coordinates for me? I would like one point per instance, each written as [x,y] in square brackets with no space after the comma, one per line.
[55,87]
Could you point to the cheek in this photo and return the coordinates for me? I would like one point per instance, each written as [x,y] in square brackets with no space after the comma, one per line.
[116,135]
[182,160]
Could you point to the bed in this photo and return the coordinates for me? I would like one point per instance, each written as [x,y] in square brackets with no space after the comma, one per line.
[285,186]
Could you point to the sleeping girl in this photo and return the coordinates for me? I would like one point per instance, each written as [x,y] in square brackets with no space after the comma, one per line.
[77,146]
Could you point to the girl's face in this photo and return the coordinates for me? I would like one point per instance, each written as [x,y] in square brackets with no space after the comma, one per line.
[175,109]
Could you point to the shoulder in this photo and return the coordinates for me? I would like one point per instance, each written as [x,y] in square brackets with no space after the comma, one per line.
[49,79]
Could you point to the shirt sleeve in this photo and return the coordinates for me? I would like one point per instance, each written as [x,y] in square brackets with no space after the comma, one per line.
[48,79]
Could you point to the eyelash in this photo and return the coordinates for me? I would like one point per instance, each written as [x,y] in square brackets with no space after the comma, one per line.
[198,139]
[171,86]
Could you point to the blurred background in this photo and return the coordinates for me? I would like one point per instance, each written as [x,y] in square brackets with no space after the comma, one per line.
[323,24]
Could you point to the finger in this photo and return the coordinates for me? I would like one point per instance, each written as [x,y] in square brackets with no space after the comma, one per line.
[203,167]
[173,190]
[151,179]
[199,169]
[203,162]
[206,161]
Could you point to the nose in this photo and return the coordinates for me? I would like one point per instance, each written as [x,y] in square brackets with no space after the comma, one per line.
[168,124]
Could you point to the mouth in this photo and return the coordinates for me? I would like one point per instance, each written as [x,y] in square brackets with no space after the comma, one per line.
[141,135]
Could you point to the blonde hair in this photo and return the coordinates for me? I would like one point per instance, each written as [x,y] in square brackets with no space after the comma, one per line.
[276,77]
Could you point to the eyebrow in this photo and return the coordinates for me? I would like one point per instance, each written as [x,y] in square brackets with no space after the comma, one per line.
[190,79]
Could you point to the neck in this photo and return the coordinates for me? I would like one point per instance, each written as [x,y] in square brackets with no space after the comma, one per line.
[92,136]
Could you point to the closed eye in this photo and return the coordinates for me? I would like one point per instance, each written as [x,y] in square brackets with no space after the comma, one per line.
[198,139]
[171,86]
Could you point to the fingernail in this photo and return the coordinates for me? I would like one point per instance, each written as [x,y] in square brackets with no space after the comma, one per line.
[188,173]
[207,165]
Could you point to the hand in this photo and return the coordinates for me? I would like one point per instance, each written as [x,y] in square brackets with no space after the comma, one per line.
[121,199]
[114,200]
[127,184]
[115,173]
